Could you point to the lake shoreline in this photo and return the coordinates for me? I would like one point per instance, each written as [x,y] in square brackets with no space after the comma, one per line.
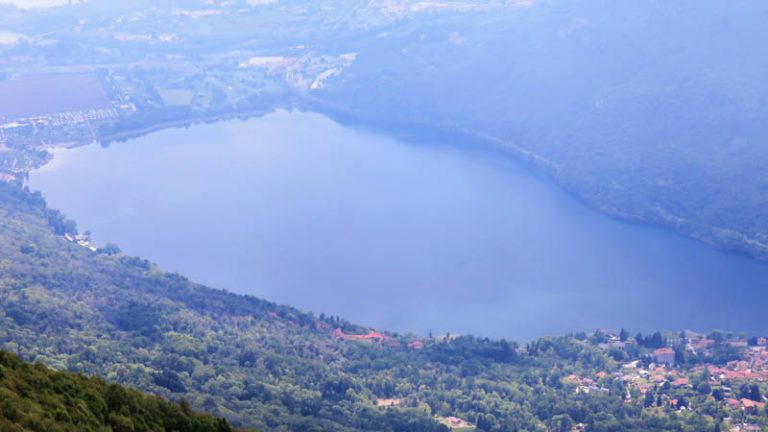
[737,244]
[531,216]
[722,239]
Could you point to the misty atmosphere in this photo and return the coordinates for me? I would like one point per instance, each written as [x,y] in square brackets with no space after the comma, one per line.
[383,215]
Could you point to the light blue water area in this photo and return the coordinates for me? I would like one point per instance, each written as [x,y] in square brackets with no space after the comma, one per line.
[298,209]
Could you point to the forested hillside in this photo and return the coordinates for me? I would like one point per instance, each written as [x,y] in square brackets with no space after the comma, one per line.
[257,363]
[35,398]
[649,111]
[276,368]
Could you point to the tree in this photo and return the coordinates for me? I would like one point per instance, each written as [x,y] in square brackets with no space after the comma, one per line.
[561,423]
[717,336]
[640,339]
[623,335]
[656,341]
[649,399]
[704,388]
[680,357]
[718,394]
[110,249]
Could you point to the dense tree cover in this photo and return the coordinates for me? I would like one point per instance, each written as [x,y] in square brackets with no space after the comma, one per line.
[121,318]
[648,111]
[276,368]
[35,398]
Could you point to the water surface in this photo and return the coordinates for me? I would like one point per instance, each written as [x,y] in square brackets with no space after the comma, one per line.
[298,209]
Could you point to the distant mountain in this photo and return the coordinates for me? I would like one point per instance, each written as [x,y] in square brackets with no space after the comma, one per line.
[35,398]
[275,368]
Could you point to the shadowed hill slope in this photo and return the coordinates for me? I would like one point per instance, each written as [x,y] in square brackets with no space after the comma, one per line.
[35,398]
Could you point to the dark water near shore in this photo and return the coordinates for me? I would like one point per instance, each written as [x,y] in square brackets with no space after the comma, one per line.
[297,209]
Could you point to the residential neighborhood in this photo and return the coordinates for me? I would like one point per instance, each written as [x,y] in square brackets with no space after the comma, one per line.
[726,370]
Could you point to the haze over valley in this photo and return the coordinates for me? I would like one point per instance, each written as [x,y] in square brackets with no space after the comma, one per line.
[383,215]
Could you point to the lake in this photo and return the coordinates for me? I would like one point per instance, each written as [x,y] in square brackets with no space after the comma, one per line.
[298,209]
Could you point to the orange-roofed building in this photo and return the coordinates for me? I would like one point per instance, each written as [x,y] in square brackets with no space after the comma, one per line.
[664,355]
[751,406]
[416,345]
[370,337]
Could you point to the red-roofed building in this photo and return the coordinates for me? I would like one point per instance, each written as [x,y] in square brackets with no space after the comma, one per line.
[664,355]
[370,337]
[701,344]
[734,375]
[714,370]
[416,345]
[750,406]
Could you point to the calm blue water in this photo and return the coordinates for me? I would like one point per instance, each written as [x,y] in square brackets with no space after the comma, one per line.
[297,209]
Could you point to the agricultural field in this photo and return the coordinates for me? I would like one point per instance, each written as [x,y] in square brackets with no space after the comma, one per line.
[35,95]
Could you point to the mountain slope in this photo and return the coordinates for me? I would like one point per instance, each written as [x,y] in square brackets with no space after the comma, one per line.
[275,368]
[121,318]
[34,398]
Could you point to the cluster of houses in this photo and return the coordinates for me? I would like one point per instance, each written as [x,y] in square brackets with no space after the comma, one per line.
[83,240]
[656,377]
[586,385]
[375,337]
[455,423]
[746,427]
[368,337]
[61,118]
[306,72]
[371,337]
